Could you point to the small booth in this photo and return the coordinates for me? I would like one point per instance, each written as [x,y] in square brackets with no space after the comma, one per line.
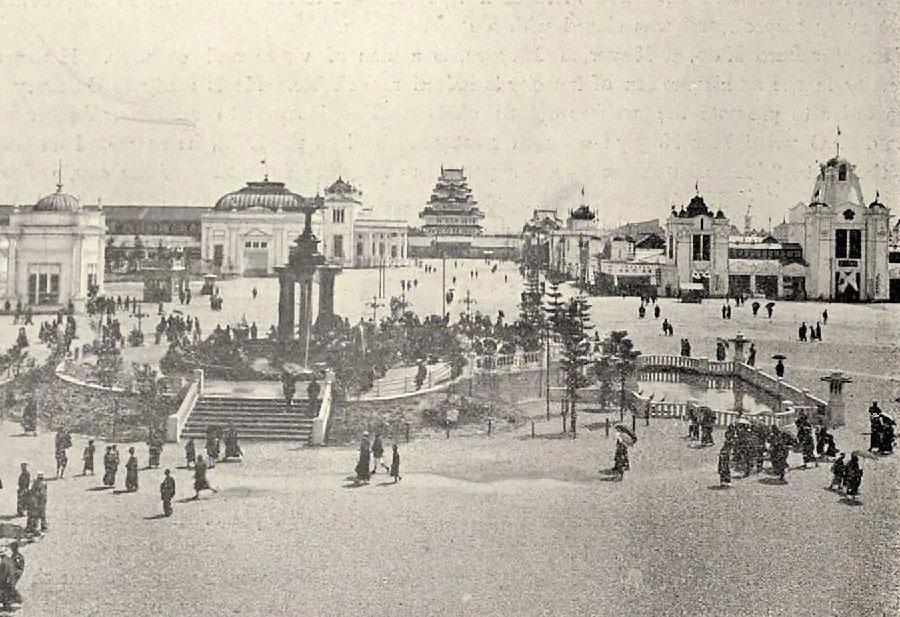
[209,284]
[163,284]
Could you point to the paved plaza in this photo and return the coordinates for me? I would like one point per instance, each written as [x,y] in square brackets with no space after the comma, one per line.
[500,525]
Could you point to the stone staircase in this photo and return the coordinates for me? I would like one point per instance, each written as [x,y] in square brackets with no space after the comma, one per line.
[253,418]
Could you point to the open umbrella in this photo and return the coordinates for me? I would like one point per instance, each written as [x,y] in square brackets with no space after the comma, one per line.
[779,356]
[626,435]
[770,304]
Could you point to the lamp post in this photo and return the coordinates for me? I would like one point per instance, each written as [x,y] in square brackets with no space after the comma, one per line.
[443,285]
[375,305]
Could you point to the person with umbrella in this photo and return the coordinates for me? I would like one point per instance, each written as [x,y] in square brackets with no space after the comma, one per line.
[625,437]
[779,365]
[769,307]
[755,308]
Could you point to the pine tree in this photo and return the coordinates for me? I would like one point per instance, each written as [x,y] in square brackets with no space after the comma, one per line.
[573,325]
[618,363]
[530,325]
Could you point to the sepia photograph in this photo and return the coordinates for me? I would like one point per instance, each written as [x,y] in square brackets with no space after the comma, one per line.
[465,308]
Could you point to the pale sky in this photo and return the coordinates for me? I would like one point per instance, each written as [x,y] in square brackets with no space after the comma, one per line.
[177,102]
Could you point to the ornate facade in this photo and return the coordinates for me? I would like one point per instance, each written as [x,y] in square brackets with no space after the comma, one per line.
[249,231]
[52,253]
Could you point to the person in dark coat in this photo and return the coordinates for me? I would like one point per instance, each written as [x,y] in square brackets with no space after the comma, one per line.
[154,450]
[395,464]
[88,458]
[620,460]
[363,465]
[190,452]
[29,418]
[131,472]
[24,486]
[802,332]
[837,473]
[779,369]
[751,355]
[693,423]
[853,476]
[875,426]
[707,422]
[167,492]
[9,576]
[779,448]
[212,444]
[725,466]
[232,447]
[825,445]
[887,436]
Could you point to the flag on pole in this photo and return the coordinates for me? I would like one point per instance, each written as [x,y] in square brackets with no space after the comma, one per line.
[839,131]
[582,191]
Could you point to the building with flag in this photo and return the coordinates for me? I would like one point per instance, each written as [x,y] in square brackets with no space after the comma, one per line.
[845,241]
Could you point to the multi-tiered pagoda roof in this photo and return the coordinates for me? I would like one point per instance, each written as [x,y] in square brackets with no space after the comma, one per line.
[452,210]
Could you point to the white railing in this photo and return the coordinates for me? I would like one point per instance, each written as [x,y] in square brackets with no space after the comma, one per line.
[175,422]
[399,386]
[320,423]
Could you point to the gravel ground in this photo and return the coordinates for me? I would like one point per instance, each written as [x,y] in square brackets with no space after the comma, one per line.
[506,525]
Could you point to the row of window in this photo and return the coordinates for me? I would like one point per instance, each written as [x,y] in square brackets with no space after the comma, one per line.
[763,253]
[256,244]
[848,243]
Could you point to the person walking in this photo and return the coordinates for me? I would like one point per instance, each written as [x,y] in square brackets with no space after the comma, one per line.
[825,317]
[377,452]
[837,473]
[131,472]
[190,452]
[620,460]
[109,473]
[39,503]
[395,464]
[167,492]
[201,481]
[63,442]
[802,332]
[87,458]
[24,485]
[725,466]
[779,369]
[853,474]
[751,355]
[363,465]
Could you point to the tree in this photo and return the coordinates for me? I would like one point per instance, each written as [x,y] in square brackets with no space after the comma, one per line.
[572,325]
[531,323]
[618,362]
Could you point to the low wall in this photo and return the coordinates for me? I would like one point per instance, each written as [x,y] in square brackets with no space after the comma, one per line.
[176,421]
[320,423]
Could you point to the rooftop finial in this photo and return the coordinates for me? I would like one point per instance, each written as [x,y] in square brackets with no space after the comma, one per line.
[838,143]
[697,187]
[265,173]
[59,184]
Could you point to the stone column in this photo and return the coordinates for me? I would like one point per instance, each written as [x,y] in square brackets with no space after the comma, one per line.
[286,306]
[326,293]
[304,313]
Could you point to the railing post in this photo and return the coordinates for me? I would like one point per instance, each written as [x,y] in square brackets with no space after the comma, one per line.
[407,432]
[489,427]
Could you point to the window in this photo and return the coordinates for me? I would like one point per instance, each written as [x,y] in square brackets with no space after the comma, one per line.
[842,173]
[855,244]
[381,249]
[359,249]
[248,244]
[701,247]
[43,284]
[393,251]
[848,243]
[671,248]
[337,215]
[337,243]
